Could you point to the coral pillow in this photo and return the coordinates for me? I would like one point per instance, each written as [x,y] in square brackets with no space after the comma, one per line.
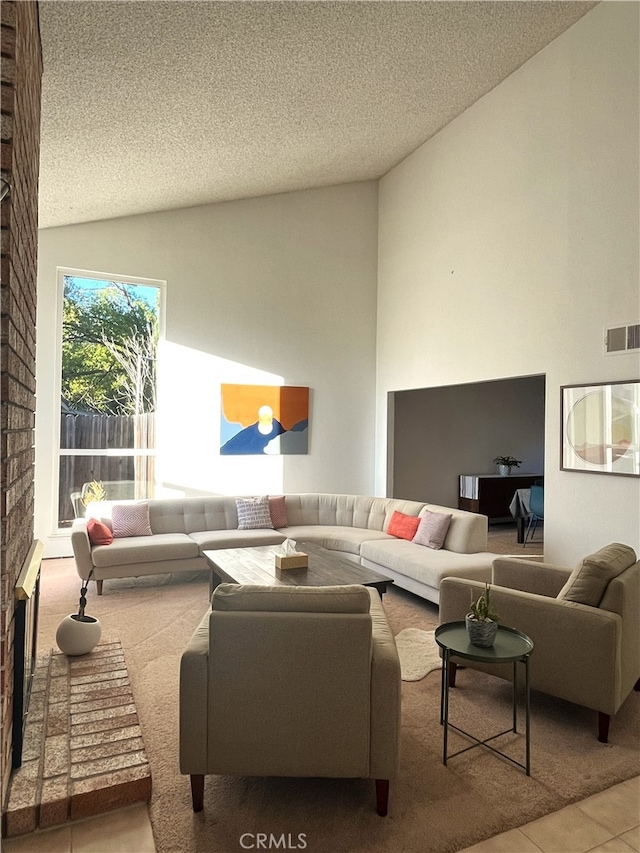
[403,526]
[253,513]
[130,520]
[99,533]
[432,529]
[278,510]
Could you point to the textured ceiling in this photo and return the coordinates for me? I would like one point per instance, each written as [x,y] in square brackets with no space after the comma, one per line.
[151,105]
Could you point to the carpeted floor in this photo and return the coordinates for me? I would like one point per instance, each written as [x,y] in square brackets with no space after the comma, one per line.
[432,808]
[502,538]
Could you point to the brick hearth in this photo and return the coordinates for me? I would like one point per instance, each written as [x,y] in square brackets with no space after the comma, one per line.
[83,751]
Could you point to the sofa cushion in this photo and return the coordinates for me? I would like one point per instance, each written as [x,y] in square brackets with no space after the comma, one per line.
[424,564]
[350,598]
[253,513]
[184,515]
[346,510]
[432,529]
[278,511]
[99,533]
[588,582]
[333,537]
[145,549]
[212,539]
[130,520]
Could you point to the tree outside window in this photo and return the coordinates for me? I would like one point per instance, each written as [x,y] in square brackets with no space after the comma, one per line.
[109,356]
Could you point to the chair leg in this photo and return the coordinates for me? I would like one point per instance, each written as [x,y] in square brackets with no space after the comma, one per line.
[636,686]
[99,585]
[603,727]
[382,796]
[453,668]
[531,528]
[197,791]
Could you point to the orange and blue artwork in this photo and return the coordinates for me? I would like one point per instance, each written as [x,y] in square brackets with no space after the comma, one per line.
[264,419]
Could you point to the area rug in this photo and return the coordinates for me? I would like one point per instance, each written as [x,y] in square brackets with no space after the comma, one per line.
[418,652]
[431,807]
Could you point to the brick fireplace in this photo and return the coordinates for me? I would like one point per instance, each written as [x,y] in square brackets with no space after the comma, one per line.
[21,97]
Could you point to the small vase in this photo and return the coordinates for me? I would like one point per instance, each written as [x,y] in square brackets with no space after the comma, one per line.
[78,635]
[504,470]
[481,634]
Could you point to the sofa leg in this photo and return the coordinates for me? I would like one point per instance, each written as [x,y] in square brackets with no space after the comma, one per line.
[603,727]
[453,668]
[197,791]
[636,686]
[99,585]
[382,796]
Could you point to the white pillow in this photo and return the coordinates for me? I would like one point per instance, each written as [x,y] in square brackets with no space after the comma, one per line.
[130,520]
[253,513]
[432,529]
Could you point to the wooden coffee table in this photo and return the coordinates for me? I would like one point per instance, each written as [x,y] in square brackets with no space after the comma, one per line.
[258,566]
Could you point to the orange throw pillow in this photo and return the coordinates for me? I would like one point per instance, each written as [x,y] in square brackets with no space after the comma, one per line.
[403,526]
[99,533]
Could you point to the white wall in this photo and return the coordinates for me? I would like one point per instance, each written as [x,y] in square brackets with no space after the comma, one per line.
[273,290]
[510,240]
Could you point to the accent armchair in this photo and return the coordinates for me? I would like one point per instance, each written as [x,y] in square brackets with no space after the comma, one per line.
[291,681]
[585,625]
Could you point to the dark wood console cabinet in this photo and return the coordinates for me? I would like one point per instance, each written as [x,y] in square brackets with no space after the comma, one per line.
[493,492]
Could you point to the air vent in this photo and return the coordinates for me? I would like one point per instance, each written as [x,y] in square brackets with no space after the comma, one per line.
[621,339]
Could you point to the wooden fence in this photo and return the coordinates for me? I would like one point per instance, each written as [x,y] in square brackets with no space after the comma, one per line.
[104,432]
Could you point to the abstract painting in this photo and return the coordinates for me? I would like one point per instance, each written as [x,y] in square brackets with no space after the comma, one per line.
[264,419]
[601,428]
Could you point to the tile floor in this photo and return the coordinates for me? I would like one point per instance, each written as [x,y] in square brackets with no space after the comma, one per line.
[608,822]
[122,831]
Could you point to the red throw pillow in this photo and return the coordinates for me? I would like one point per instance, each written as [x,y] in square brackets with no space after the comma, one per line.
[403,526]
[278,510]
[99,533]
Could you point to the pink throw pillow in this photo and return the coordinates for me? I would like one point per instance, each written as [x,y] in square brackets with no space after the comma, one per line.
[432,529]
[403,526]
[278,510]
[130,520]
[99,533]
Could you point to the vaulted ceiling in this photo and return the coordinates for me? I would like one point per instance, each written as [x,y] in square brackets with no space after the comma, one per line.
[151,105]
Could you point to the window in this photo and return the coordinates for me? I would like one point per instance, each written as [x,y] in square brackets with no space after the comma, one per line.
[110,330]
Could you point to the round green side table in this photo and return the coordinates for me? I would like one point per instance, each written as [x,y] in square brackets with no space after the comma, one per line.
[510,646]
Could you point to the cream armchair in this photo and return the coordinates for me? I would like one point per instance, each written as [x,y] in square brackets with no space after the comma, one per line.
[585,653]
[291,681]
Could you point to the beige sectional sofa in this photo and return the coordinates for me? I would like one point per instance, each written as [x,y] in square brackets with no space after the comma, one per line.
[353,525]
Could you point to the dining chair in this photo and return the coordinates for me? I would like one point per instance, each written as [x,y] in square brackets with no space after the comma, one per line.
[536,506]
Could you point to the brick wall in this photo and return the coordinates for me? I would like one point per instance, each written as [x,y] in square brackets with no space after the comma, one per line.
[21,87]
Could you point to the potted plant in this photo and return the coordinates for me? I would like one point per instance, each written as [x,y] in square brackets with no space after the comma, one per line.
[506,463]
[482,621]
[78,633]
[93,492]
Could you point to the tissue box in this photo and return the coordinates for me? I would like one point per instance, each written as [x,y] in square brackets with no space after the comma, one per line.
[292,561]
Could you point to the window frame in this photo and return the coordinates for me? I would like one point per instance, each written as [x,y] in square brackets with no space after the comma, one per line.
[58,452]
